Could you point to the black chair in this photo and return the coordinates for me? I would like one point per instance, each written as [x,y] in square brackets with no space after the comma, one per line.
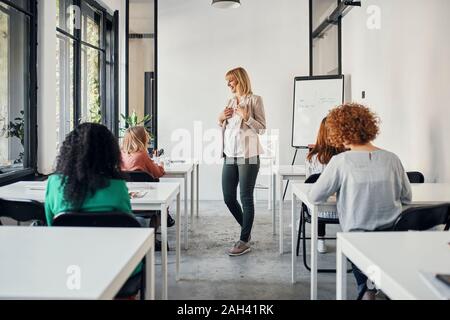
[305,217]
[136,283]
[139,176]
[23,211]
[415,177]
[423,218]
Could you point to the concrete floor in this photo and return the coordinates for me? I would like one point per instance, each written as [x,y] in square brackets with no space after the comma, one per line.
[208,273]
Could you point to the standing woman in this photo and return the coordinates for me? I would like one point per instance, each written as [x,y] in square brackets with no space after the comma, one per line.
[242,121]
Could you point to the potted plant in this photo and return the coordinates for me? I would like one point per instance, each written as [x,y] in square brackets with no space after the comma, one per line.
[16,129]
[133,121]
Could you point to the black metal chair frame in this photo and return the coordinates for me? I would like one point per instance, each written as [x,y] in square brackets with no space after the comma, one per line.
[22,210]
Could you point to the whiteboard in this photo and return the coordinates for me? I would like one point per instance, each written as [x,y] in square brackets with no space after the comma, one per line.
[314,97]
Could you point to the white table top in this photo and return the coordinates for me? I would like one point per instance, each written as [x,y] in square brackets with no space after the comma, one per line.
[422,194]
[156,193]
[34,261]
[178,168]
[398,257]
[287,170]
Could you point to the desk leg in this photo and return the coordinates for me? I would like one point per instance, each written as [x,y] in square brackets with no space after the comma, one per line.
[341,272]
[293,238]
[178,237]
[192,194]
[280,213]
[186,214]
[274,197]
[197,192]
[269,193]
[164,250]
[314,230]
[150,271]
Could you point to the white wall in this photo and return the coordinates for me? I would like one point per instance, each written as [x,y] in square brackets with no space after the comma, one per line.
[197,44]
[404,67]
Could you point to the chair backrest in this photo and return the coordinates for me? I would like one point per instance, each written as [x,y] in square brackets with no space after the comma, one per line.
[139,176]
[96,219]
[423,218]
[313,178]
[415,177]
[22,210]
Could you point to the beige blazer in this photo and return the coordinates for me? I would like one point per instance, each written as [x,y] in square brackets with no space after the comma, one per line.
[250,130]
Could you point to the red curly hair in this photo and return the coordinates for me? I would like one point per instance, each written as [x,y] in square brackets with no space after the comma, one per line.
[323,149]
[352,123]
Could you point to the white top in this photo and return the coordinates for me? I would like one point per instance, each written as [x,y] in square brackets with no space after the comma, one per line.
[155,193]
[394,260]
[178,168]
[422,194]
[313,166]
[232,144]
[287,170]
[44,263]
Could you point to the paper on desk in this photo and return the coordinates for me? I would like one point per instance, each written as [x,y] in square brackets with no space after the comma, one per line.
[140,185]
[439,288]
[35,187]
[137,194]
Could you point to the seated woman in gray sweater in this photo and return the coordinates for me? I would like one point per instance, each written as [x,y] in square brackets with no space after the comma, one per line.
[370,183]
[317,159]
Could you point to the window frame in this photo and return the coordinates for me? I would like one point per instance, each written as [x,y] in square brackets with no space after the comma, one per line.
[107,94]
[312,38]
[154,114]
[30,110]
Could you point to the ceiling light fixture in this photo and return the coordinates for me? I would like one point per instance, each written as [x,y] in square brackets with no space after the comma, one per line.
[226,4]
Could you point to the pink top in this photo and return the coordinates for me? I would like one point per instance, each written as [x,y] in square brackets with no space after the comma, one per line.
[141,161]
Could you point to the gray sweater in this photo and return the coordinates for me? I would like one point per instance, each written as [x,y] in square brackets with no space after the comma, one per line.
[370,188]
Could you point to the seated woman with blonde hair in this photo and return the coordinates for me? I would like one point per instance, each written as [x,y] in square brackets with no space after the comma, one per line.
[135,156]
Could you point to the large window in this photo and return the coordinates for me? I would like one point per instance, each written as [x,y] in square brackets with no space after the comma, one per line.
[86,65]
[17,88]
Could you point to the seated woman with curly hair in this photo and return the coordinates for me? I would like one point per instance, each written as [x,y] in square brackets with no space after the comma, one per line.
[88,176]
[370,183]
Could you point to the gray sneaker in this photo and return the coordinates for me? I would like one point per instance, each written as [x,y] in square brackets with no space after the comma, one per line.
[239,249]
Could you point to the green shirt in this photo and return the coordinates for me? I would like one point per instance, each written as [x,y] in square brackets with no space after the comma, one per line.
[114,197]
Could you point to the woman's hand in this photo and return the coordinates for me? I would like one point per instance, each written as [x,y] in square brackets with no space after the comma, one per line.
[243,113]
[226,114]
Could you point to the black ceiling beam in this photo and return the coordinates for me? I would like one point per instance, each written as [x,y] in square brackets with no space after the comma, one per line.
[333,19]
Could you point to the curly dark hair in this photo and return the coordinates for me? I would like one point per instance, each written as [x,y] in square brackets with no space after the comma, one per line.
[352,123]
[88,159]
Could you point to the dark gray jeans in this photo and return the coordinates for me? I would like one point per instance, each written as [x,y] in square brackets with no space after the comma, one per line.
[242,172]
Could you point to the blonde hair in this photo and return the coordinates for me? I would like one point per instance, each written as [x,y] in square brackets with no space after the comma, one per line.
[136,140]
[242,78]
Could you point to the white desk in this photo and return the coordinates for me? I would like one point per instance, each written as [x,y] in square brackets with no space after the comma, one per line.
[393,260]
[282,173]
[183,171]
[158,197]
[422,194]
[72,263]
